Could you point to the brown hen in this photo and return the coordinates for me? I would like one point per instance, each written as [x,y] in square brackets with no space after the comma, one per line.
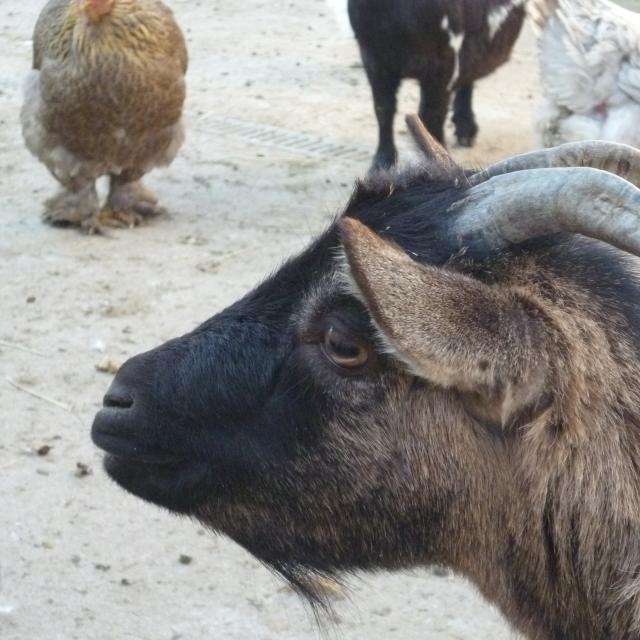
[105,97]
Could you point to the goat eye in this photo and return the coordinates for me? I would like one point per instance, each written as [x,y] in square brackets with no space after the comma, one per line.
[344,351]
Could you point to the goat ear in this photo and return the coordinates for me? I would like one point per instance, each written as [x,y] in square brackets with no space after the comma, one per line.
[449,328]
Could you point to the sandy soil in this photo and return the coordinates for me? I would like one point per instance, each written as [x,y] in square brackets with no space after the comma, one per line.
[78,557]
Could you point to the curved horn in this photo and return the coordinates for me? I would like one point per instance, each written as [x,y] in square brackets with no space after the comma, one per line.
[430,147]
[515,207]
[619,159]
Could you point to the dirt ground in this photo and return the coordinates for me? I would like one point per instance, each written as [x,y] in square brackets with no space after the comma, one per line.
[78,557]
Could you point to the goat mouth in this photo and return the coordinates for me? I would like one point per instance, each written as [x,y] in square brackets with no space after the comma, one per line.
[177,484]
[126,451]
[125,448]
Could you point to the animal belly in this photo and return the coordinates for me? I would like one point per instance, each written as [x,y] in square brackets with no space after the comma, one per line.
[121,122]
[622,124]
[581,127]
[114,150]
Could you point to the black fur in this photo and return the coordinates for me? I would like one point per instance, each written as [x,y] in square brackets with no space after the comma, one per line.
[243,424]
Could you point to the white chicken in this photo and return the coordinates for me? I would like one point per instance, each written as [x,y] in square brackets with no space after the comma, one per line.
[589,52]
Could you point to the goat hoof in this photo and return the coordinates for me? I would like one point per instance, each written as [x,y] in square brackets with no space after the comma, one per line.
[385,158]
[466,141]
[382,164]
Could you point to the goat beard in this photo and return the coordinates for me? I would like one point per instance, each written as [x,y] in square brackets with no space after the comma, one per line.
[309,583]
[312,582]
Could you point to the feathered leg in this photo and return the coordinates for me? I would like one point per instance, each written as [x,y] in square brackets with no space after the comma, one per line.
[130,203]
[72,208]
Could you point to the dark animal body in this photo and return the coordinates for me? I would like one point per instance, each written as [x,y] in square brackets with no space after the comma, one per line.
[438,378]
[445,44]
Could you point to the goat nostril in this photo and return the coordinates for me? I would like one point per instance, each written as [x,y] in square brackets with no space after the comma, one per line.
[118,400]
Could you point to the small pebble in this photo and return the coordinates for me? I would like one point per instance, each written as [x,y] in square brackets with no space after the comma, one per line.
[185,559]
[108,365]
[82,470]
[44,450]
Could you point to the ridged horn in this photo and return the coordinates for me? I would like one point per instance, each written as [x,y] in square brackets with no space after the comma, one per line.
[619,159]
[429,146]
[524,204]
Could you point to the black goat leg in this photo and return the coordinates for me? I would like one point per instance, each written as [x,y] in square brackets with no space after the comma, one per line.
[463,118]
[434,103]
[384,87]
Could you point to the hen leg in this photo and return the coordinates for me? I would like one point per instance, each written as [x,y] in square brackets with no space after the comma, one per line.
[130,203]
[72,208]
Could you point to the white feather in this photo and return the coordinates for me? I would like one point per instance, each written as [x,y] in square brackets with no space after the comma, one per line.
[63,164]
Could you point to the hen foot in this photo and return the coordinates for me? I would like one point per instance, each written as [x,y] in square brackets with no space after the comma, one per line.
[104,219]
[71,208]
[131,204]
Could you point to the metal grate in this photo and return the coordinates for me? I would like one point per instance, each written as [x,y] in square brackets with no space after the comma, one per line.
[298,142]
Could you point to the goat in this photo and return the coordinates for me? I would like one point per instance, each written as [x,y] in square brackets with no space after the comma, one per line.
[445,45]
[449,374]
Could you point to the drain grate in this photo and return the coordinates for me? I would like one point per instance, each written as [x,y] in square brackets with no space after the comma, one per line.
[296,141]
